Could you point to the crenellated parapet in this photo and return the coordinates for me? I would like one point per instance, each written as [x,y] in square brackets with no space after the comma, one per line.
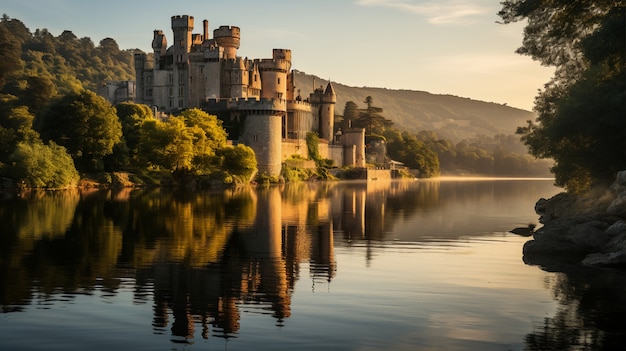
[298,105]
[260,106]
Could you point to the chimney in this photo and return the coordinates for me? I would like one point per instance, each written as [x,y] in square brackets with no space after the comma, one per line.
[205,24]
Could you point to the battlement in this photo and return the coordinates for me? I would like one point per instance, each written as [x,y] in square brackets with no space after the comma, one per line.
[254,104]
[298,105]
[281,54]
[272,64]
[182,21]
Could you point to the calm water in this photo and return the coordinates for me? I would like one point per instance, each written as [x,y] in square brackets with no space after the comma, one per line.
[421,265]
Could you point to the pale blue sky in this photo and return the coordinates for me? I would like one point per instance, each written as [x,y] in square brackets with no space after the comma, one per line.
[440,46]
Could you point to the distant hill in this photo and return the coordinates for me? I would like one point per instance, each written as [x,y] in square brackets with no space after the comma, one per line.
[451,117]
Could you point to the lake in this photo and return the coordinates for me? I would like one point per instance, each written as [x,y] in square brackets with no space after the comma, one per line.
[403,265]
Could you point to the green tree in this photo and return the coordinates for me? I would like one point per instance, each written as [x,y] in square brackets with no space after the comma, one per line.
[371,119]
[350,114]
[43,166]
[15,127]
[10,50]
[166,145]
[131,117]
[414,153]
[84,123]
[238,162]
[581,111]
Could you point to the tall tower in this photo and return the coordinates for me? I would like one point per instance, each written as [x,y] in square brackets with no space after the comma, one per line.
[182,26]
[323,103]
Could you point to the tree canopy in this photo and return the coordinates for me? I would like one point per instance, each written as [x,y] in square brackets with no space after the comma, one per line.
[85,124]
[580,123]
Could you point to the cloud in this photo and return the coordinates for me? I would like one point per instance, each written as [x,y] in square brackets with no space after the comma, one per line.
[436,12]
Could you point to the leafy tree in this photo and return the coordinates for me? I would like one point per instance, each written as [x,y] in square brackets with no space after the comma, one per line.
[238,162]
[414,153]
[10,49]
[84,123]
[166,145]
[15,127]
[43,166]
[131,117]
[581,111]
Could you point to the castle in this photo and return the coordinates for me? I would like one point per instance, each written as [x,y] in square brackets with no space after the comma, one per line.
[256,99]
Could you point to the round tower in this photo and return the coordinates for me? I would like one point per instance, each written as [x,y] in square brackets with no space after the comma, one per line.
[327,113]
[229,38]
[274,74]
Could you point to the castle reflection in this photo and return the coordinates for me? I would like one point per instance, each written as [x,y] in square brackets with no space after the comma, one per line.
[201,259]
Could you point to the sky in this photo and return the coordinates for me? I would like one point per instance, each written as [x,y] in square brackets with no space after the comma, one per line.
[439,46]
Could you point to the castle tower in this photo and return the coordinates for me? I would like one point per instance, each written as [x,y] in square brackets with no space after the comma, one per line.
[262,130]
[323,106]
[159,45]
[229,38]
[140,67]
[239,79]
[274,74]
[182,26]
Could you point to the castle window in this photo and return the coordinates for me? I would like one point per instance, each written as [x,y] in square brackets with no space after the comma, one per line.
[255,137]
[278,80]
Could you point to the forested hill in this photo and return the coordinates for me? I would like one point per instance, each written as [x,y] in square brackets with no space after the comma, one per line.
[45,64]
[452,117]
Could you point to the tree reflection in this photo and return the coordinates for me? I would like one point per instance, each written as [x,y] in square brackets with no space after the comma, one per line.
[591,313]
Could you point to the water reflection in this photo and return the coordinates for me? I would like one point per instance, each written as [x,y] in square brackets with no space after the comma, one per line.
[202,259]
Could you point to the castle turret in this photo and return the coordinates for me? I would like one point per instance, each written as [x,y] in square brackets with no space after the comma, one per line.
[159,45]
[229,38]
[323,103]
[182,26]
[140,67]
[274,74]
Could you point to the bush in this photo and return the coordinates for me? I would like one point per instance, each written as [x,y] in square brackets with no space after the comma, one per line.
[43,166]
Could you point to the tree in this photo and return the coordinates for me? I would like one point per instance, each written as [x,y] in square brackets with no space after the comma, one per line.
[238,161]
[371,118]
[43,166]
[131,117]
[84,123]
[581,111]
[10,49]
[166,145]
[350,114]
[414,153]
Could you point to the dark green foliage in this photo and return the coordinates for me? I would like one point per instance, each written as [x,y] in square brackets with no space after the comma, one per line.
[581,123]
[85,124]
[68,62]
[414,153]
[371,119]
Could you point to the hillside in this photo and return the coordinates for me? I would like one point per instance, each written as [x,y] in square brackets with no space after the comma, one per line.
[452,117]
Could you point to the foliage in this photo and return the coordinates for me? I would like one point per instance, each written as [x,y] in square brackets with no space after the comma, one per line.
[207,134]
[131,117]
[85,124]
[69,63]
[238,162]
[43,166]
[581,111]
[312,144]
[414,153]
[371,119]
[350,114]
[165,144]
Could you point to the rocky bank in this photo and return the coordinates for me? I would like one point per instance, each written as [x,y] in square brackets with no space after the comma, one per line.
[590,228]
